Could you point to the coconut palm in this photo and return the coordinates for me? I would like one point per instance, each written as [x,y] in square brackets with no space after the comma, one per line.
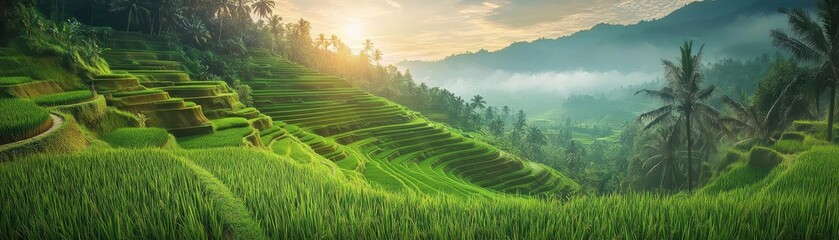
[747,120]
[817,43]
[263,8]
[377,56]
[222,10]
[664,161]
[194,31]
[496,127]
[240,8]
[368,46]
[169,12]
[134,8]
[336,42]
[505,110]
[683,98]
[321,42]
[478,102]
[534,141]
[275,26]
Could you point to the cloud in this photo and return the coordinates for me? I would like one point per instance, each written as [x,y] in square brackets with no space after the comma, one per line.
[394,4]
[433,29]
[468,82]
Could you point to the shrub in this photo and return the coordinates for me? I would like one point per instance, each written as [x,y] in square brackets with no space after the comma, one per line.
[21,119]
[138,137]
[65,98]
[730,156]
[764,158]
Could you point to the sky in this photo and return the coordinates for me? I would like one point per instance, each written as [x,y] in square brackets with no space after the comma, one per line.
[433,29]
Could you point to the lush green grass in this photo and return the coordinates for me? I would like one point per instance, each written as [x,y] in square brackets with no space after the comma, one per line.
[136,93]
[21,119]
[331,208]
[791,146]
[228,123]
[116,195]
[14,80]
[64,98]
[229,132]
[138,137]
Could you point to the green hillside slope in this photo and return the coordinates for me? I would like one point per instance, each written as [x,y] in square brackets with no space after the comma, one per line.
[391,145]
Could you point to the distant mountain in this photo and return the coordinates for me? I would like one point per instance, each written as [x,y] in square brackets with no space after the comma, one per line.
[538,75]
[728,28]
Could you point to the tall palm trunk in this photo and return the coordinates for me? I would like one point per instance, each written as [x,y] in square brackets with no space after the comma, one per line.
[128,27]
[833,82]
[220,27]
[690,150]
[831,111]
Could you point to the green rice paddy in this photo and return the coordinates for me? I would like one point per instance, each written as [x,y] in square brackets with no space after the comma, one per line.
[21,119]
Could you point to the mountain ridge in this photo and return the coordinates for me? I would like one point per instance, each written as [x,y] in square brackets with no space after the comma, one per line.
[585,49]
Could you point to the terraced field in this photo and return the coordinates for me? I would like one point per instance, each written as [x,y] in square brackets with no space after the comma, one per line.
[392,146]
[149,79]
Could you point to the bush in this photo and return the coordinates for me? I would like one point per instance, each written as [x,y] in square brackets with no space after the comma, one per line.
[21,119]
[764,158]
[730,156]
[65,98]
[138,137]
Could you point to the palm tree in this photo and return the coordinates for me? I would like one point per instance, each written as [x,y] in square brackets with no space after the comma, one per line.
[195,31]
[817,43]
[335,42]
[478,102]
[368,46]
[222,10]
[275,26]
[263,8]
[665,155]
[746,119]
[169,11]
[683,98]
[535,140]
[496,127]
[241,7]
[377,56]
[506,111]
[321,42]
[518,127]
[134,9]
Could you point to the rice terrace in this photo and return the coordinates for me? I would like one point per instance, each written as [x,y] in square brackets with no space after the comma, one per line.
[250,119]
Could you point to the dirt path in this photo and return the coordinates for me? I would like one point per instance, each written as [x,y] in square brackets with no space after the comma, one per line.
[57,121]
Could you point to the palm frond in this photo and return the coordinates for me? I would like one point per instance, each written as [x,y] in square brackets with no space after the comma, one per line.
[705,93]
[810,32]
[656,113]
[801,51]
[657,121]
[665,94]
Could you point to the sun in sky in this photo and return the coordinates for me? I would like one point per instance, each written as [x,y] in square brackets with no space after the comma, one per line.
[353,34]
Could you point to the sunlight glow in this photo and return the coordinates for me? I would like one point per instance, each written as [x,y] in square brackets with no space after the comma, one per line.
[354,30]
